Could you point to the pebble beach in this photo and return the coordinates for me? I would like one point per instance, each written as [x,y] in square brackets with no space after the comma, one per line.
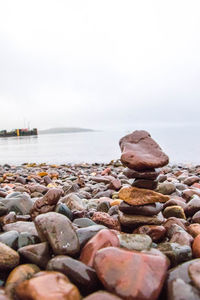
[129,229]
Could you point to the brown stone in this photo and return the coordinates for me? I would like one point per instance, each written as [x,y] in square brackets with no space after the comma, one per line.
[104,238]
[18,275]
[174,211]
[146,174]
[194,229]
[137,196]
[58,230]
[47,285]
[107,220]
[156,232]
[9,258]
[138,220]
[144,210]
[130,274]
[141,152]
[196,246]
[194,273]
[145,184]
[46,203]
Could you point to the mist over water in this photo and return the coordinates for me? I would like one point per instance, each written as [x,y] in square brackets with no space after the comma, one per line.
[180,142]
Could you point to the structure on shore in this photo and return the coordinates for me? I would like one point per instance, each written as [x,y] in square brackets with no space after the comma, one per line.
[18,132]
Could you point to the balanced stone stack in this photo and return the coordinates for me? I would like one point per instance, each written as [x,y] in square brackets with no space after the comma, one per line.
[141,155]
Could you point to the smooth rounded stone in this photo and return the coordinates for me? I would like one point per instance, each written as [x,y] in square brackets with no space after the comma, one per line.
[107,220]
[196,217]
[10,238]
[21,180]
[86,233]
[18,275]
[103,206]
[3,295]
[194,229]
[144,210]
[133,241]
[3,209]
[175,252]
[191,180]
[181,272]
[196,246]
[137,196]
[148,174]
[116,269]
[179,290]
[9,258]
[91,204]
[21,204]
[47,285]
[113,210]
[175,202]
[104,238]
[46,203]
[156,232]
[101,295]
[62,208]
[181,186]
[173,220]
[38,254]
[78,273]
[115,184]
[161,177]
[145,184]
[166,188]
[182,238]
[106,193]
[47,179]
[194,273]
[192,206]
[21,226]
[141,152]
[138,220]
[73,202]
[189,193]
[83,222]
[174,211]
[37,188]
[26,238]
[57,229]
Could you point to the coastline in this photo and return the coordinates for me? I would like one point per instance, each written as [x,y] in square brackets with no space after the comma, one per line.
[87,195]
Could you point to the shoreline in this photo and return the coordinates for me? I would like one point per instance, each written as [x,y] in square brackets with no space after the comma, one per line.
[84,200]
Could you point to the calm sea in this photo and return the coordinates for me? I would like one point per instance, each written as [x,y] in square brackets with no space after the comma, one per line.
[181,143]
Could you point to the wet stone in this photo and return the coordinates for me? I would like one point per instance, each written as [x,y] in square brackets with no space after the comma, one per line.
[145,210]
[25,239]
[78,273]
[38,254]
[62,208]
[57,229]
[86,233]
[174,211]
[10,238]
[192,206]
[137,242]
[157,233]
[175,252]
[145,184]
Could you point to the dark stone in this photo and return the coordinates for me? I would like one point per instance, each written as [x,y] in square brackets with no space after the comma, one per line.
[148,174]
[86,233]
[145,184]
[62,208]
[145,210]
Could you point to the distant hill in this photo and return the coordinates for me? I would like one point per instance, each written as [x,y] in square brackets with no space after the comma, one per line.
[63,130]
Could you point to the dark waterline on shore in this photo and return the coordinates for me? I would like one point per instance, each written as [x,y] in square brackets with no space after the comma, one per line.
[180,143]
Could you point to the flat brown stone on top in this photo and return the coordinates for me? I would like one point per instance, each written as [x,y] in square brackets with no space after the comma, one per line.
[141,152]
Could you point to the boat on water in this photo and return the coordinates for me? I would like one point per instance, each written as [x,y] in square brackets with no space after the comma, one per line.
[19,132]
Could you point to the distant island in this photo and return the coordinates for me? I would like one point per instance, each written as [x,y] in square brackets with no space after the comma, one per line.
[64,130]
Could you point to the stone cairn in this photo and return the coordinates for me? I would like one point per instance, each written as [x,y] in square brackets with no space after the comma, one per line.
[141,205]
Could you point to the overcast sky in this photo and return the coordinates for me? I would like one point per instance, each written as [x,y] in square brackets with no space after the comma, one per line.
[99,64]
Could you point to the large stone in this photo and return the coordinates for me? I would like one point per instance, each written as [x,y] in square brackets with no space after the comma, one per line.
[79,274]
[131,275]
[137,196]
[86,233]
[73,202]
[138,220]
[21,226]
[137,242]
[38,254]
[104,238]
[144,210]
[21,203]
[57,229]
[47,285]
[141,152]
[46,203]
[192,206]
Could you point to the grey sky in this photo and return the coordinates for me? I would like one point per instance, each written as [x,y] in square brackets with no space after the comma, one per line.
[99,64]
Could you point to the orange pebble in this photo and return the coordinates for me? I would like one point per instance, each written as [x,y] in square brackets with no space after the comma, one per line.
[116,202]
[196,246]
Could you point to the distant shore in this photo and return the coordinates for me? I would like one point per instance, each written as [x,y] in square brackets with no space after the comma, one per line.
[64,130]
